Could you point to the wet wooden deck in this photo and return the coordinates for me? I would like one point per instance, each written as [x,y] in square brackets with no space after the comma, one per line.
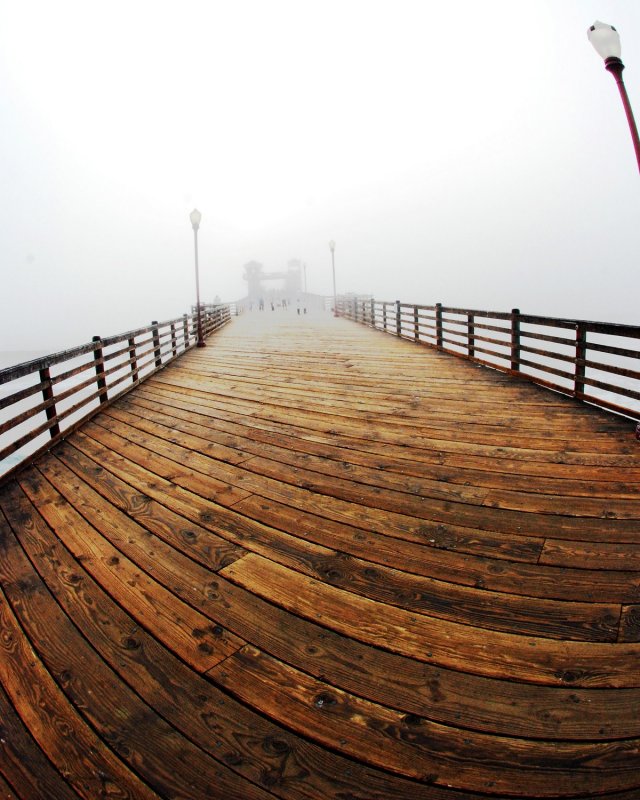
[314,561]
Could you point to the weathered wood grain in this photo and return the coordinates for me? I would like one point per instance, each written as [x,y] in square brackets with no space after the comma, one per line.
[371,467]
[191,635]
[314,562]
[414,746]
[454,645]
[23,764]
[243,743]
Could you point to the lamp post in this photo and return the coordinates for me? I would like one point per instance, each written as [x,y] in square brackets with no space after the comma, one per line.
[332,247]
[606,41]
[195,218]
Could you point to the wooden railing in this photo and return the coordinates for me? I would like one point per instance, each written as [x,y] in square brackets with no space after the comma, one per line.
[594,362]
[44,399]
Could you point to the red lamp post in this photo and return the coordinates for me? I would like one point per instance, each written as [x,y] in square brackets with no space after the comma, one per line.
[606,41]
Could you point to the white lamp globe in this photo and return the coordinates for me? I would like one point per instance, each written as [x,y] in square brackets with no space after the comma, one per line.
[605,39]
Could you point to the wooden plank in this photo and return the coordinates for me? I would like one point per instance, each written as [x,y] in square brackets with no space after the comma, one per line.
[253,462]
[392,429]
[450,696]
[190,634]
[26,769]
[623,556]
[442,555]
[76,751]
[456,646]
[541,503]
[262,754]
[405,743]
[205,476]
[563,465]
[345,500]
[168,761]
[6,792]
[373,468]
[455,442]
[630,624]
[397,412]
[518,547]
[509,578]
[495,610]
[196,541]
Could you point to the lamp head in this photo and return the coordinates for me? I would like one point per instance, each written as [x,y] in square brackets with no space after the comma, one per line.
[605,39]
[195,216]
[332,245]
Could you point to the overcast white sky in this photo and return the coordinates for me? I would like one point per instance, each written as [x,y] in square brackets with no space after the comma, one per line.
[472,153]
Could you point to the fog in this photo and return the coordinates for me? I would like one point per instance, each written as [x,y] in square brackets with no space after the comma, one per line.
[474,154]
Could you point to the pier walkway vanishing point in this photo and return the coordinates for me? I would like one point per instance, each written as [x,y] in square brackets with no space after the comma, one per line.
[314,561]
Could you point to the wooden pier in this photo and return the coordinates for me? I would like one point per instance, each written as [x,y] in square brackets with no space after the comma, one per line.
[311,561]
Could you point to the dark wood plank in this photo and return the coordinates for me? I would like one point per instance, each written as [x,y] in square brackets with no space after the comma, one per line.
[559,464]
[26,769]
[194,540]
[168,761]
[346,499]
[410,577]
[367,467]
[623,556]
[453,645]
[242,741]
[273,397]
[495,610]
[6,792]
[76,749]
[109,446]
[405,743]
[441,553]
[194,637]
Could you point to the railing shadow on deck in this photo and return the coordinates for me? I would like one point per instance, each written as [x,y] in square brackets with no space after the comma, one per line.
[593,362]
[45,399]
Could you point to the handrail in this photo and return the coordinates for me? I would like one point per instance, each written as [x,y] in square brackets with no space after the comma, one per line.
[593,362]
[48,397]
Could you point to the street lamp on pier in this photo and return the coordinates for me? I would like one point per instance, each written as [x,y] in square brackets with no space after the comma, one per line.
[332,247]
[195,218]
[606,41]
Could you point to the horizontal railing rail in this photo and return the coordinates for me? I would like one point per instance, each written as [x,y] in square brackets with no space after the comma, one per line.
[594,362]
[42,400]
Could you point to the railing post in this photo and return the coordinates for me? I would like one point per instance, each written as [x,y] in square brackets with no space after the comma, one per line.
[416,327]
[47,394]
[174,343]
[133,359]
[372,312]
[581,354]
[384,316]
[439,337]
[398,320]
[99,367]
[354,315]
[515,340]
[185,327]
[156,343]
[471,332]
